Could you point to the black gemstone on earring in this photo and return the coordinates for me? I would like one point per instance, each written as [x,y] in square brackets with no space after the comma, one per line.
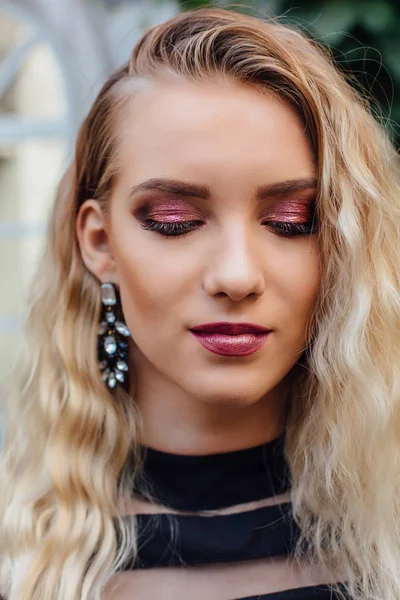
[112,330]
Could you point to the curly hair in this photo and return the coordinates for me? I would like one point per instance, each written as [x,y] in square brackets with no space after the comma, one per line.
[71,446]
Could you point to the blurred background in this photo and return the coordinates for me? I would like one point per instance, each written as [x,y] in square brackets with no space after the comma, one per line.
[54,57]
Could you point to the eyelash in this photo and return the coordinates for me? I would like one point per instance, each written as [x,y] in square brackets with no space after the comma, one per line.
[282,228]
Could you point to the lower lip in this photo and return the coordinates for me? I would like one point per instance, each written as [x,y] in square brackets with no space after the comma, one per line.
[232,345]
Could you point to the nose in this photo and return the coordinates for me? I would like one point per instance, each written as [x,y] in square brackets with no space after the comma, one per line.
[234,269]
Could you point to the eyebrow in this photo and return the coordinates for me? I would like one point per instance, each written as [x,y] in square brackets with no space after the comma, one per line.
[182,188]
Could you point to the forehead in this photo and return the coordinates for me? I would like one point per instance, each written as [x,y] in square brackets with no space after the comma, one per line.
[205,129]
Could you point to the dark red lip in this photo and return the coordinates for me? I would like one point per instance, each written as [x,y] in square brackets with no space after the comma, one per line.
[229,328]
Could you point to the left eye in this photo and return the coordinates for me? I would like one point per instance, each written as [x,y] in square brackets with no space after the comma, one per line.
[292,229]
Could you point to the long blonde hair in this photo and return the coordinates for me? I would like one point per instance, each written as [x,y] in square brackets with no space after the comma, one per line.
[66,463]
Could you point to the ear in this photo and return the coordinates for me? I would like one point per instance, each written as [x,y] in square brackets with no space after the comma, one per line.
[93,238]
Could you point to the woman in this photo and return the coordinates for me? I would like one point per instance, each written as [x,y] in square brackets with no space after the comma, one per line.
[208,401]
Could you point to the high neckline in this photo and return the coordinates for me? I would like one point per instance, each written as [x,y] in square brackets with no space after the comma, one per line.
[240,453]
[211,481]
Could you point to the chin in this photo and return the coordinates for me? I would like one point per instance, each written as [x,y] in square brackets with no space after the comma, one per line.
[229,396]
[232,388]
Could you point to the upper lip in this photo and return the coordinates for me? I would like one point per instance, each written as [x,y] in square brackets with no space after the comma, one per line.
[229,328]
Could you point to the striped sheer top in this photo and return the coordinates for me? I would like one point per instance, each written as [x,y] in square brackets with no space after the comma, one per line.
[220,528]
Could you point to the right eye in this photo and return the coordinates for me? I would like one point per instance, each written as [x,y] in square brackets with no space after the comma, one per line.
[171,229]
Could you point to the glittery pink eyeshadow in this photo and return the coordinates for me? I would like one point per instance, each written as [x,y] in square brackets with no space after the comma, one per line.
[171,211]
[291,212]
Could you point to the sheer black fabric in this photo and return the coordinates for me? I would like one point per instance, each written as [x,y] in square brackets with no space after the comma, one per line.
[221,521]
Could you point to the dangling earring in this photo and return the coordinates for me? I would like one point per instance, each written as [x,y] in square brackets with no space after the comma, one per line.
[112,349]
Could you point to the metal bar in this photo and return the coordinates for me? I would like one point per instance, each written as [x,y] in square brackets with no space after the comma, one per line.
[11,64]
[14,128]
[15,231]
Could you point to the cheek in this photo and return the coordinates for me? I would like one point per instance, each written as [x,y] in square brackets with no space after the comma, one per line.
[302,280]
[306,283]
[153,279]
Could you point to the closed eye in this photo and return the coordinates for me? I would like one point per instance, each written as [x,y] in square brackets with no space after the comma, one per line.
[292,229]
[281,228]
[171,229]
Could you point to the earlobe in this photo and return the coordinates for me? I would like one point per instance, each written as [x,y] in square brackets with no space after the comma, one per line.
[93,240]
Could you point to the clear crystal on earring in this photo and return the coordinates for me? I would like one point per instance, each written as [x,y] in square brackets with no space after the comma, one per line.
[110,317]
[111,380]
[121,365]
[105,375]
[108,294]
[110,345]
[122,328]
[102,328]
[120,376]
[114,366]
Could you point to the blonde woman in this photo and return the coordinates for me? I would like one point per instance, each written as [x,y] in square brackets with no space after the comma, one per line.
[207,405]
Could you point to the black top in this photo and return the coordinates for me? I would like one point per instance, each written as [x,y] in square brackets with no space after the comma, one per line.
[197,484]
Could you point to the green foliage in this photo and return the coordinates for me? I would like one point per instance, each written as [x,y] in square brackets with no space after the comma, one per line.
[364,38]
[362,34]
[191,4]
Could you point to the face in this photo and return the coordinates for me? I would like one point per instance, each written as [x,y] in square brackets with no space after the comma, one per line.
[211,221]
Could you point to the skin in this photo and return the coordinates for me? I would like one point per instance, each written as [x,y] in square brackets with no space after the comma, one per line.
[233,267]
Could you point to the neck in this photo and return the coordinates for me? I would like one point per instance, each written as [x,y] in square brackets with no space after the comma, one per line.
[177,423]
